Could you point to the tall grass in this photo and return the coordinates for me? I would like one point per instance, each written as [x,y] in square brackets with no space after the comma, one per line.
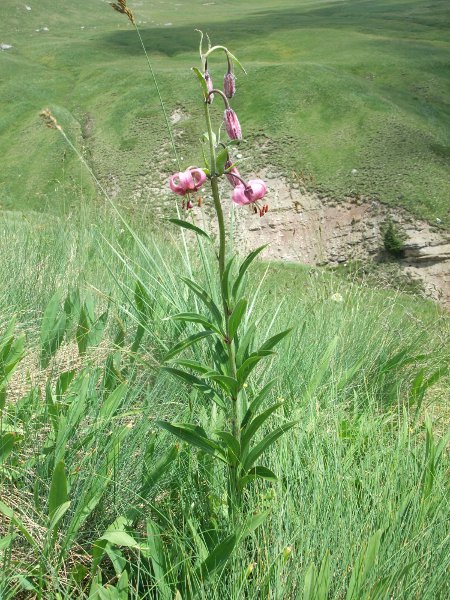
[357,464]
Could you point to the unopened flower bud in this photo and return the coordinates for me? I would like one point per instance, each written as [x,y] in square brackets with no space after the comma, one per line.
[287,552]
[229,84]
[232,124]
[230,171]
[209,83]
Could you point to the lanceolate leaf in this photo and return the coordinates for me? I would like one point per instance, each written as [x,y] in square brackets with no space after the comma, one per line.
[201,80]
[257,401]
[273,341]
[271,438]
[218,557]
[225,282]
[243,268]
[247,367]
[58,489]
[255,473]
[236,317]
[231,443]
[189,341]
[257,422]
[198,383]
[6,445]
[205,298]
[196,318]
[190,226]
[194,435]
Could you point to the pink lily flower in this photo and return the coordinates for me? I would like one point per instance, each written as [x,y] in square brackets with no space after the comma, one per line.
[252,192]
[232,124]
[187,181]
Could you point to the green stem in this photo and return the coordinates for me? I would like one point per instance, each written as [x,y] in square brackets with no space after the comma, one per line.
[233,487]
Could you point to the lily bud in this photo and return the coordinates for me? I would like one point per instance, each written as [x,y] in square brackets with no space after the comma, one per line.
[229,81]
[229,84]
[232,171]
[209,83]
[232,124]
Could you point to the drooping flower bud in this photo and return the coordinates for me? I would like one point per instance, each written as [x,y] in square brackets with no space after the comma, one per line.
[230,171]
[232,124]
[253,191]
[229,84]
[209,83]
[229,80]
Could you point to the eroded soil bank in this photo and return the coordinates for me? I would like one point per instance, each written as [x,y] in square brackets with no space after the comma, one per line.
[316,230]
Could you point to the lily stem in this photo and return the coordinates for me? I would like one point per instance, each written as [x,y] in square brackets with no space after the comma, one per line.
[234,494]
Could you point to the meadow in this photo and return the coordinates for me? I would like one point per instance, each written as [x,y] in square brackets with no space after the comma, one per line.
[340,86]
[177,422]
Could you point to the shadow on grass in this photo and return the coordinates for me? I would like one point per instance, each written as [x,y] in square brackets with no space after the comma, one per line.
[400,19]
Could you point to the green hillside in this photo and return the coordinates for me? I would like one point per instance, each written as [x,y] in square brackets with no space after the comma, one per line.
[336,86]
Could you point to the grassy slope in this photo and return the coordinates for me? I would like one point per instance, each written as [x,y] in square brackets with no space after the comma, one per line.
[357,462]
[336,86]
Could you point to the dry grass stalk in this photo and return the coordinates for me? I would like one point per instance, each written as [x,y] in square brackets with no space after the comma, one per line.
[122,8]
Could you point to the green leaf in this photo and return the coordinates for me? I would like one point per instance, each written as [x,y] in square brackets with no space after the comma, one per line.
[6,445]
[243,268]
[320,370]
[225,281]
[202,81]
[257,401]
[250,431]
[257,473]
[194,435]
[158,559]
[190,226]
[248,365]
[205,298]
[9,514]
[244,344]
[192,364]
[53,327]
[112,402]
[236,317]
[323,579]
[196,318]
[186,343]
[363,565]
[198,383]
[58,515]
[274,340]
[271,438]
[231,444]
[221,160]
[58,494]
[6,541]
[120,538]
[252,523]
[217,558]
[229,384]
[159,468]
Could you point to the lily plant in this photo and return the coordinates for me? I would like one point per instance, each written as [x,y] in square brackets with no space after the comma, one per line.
[239,445]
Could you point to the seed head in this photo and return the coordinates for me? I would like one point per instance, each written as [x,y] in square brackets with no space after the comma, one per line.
[49,119]
[122,8]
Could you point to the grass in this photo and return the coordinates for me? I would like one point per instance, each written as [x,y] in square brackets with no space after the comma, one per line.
[346,85]
[361,460]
